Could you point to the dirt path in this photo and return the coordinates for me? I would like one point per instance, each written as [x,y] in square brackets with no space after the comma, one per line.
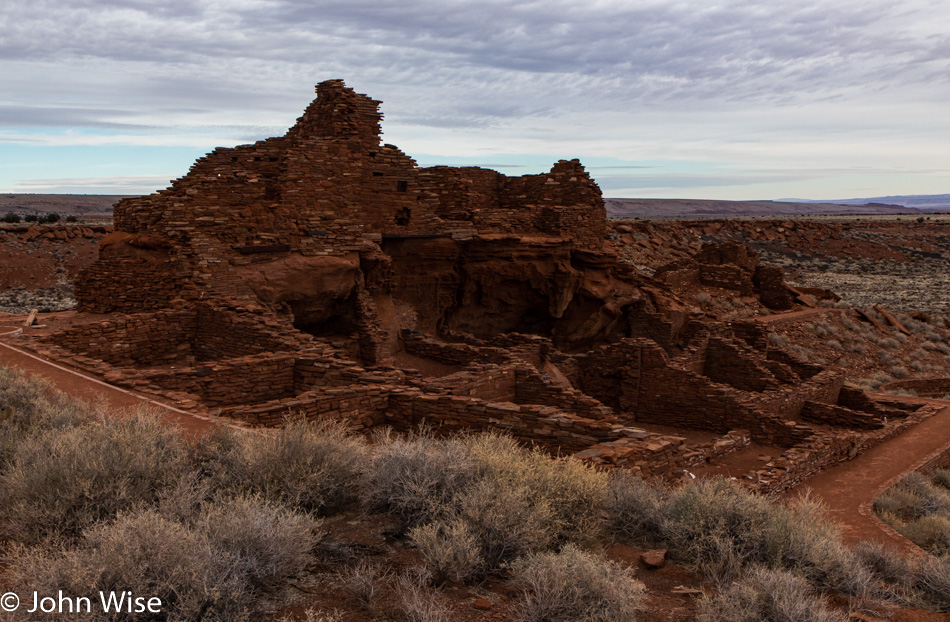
[85,387]
[849,489]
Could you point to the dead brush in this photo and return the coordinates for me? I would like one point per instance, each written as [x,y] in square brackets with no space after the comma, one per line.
[417,600]
[365,580]
[575,586]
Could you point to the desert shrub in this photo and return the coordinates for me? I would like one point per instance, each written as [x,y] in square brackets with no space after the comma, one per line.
[503,502]
[767,594]
[898,504]
[71,219]
[899,372]
[574,586]
[931,533]
[886,357]
[941,477]
[634,507]
[505,520]
[64,480]
[778,340]
[149,555]
[267,541]
[417,600]
[850,324]
[704,519]
[803,354]
[824,329]
[28,405]
[877,379]
[721,528]
[884,564]
[834,344]
[856,347]
[916,365]
[919,508]
[815,550]
[417,478]
[560,496]
[212,569]
[703,299]
[933,499]
[449,549]
[364,580]
[10,217]
[929,346]
[314,466]
[929,583]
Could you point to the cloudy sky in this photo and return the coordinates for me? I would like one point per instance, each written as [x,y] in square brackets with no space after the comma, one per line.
[738,99]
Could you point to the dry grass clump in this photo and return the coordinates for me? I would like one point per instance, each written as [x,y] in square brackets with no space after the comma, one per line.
[575,586]
[856,347]
[768,594]
[824,329]
[313,466]
[850,324]
[778,340]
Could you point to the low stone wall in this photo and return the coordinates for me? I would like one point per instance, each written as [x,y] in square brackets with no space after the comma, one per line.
[825,450]
[460,354]
[839,416]
[224,332]
[245,380]
[533,388]
[735,363]
[488,382]
[362,407]
[660,455]
[142,339]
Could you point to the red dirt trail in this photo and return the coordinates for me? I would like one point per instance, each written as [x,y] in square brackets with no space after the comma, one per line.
[849,489]
[79,385]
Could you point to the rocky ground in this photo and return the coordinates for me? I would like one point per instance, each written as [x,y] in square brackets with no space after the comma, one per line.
[900,262]
[46,299]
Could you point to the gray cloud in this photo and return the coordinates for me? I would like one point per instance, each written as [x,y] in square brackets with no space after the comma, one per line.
[678,78]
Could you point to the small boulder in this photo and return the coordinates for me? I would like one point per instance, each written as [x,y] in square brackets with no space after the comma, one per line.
[481,603]
[654,559]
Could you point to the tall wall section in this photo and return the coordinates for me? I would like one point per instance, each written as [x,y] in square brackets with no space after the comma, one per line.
[327,188]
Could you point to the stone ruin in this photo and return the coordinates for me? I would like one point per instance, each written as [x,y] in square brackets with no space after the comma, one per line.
[324,273]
